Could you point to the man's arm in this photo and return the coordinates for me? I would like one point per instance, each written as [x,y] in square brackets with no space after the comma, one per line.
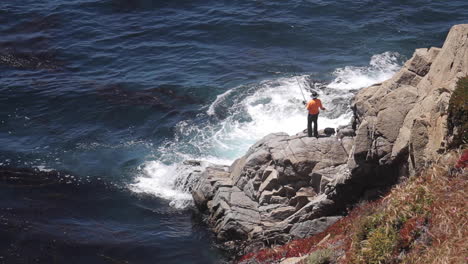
[321,106]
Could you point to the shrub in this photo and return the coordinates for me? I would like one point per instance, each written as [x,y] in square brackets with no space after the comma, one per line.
[321,256]
[458,113]
[375,239]
[420,221]
[379,246]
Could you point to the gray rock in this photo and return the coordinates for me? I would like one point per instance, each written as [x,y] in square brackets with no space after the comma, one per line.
[312,227]
[259,157]
[278,200]
[281,213]
[345,132]
[265,197]
[389,119]
[250,191]
[192,162]
[290,185]
[241,200]
[268,208]
[204,190]
[236,169]
[422,60]
[303,197]
[270,182]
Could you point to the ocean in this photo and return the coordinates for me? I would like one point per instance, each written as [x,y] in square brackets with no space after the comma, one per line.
[104,106]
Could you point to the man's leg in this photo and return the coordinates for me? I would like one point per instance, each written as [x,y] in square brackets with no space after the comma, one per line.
[314,118]
[309,125]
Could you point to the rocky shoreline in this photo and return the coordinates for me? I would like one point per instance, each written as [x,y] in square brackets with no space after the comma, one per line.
[287,187]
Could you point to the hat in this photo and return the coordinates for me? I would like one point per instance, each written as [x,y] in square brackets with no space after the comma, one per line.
[314,95]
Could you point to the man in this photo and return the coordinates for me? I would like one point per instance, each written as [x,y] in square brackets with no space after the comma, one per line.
[313,106]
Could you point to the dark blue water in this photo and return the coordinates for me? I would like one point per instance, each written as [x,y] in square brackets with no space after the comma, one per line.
[116,94]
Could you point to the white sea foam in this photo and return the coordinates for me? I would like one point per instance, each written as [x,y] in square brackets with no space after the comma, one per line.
[43,168]
[170,181]
[243,115]
[157,178]
[219,98]
[381,67]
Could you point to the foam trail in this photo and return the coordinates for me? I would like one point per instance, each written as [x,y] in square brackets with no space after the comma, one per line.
[218,99]
[243,115]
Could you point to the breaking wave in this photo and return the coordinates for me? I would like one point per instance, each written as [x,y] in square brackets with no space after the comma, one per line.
[244,114]
[381,67]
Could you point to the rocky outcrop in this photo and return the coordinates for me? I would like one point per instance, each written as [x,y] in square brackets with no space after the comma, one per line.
[406,116]
[270,193]
[289,187]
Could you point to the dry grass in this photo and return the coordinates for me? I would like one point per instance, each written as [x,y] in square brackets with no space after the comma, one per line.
[457,120]
[447,227]
[423,220]
[321,256]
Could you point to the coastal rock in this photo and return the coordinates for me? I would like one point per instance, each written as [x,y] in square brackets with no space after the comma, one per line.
[210,180]
[294,186]
[345,132]
[405,117]
[263,193]
[312,227]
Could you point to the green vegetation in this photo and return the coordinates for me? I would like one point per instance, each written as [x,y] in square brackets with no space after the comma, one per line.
[321,256]
[379,245]
[458,113]
[384,231]
[422,220]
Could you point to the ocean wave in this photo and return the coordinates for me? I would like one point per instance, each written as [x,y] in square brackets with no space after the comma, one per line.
[244,114]
[381,67]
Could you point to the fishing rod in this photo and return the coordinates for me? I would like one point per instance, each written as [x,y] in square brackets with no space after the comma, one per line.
[300,87]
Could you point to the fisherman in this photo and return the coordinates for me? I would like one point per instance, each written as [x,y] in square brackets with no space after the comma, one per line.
[313,106]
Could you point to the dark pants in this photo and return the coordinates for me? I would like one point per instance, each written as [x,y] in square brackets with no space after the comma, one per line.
[310,119]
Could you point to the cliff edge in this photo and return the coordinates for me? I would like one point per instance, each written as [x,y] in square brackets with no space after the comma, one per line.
[288,187]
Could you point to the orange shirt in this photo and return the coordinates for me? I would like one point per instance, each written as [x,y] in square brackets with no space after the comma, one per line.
[313,106]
